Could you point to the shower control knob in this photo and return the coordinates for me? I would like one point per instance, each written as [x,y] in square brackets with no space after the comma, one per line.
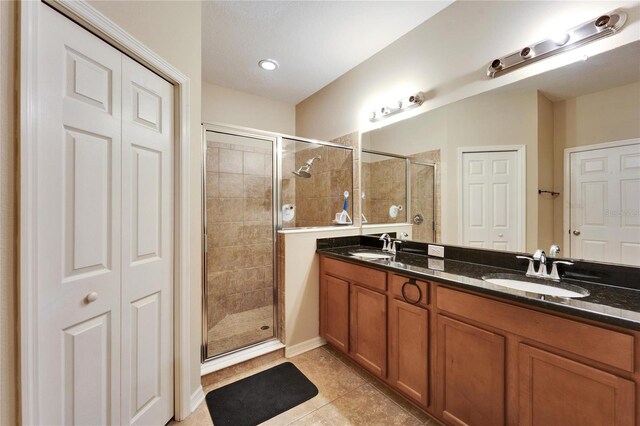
[91,297]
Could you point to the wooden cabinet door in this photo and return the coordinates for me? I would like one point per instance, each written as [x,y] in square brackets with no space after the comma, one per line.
[408,349]
[369,329]
[554,390]
[334,311]
[471,374]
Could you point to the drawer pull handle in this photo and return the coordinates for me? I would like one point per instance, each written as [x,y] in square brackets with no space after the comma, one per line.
[413,302]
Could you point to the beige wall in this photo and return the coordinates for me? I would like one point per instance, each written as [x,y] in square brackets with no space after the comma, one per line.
[545,172]
[489,119]
[228,106]
[172,30]
[8,223]
[446,57]
[605,116]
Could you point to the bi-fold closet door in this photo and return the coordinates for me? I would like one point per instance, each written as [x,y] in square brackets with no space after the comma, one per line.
[104,257]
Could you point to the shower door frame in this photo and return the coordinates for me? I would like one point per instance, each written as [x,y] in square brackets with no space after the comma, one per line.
[409,161]
[276,146]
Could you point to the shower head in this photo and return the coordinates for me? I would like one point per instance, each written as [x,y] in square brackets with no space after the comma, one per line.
[304,170]
[302,173]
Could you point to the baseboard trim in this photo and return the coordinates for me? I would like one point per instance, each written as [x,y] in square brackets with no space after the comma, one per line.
[240,356]
[196,399]
[300,348]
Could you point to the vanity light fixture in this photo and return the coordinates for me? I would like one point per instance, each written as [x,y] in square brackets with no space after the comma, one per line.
[268,64]
[402,105]
[559,42]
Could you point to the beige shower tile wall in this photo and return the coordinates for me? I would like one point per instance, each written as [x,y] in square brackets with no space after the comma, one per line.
[320,197]
[422,197]
[384,184]
[239,228]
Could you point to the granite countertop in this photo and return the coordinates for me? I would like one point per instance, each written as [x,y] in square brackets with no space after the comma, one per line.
[605,303]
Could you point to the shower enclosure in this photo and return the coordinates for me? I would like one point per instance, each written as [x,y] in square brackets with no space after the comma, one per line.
[399,189]
[256,183]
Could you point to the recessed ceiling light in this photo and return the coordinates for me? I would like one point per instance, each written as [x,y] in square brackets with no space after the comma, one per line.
[268,64]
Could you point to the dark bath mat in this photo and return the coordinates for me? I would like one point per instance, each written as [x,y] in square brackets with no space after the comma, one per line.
[258,398]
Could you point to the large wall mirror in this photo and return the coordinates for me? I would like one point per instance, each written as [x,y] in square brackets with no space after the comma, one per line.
[551,159]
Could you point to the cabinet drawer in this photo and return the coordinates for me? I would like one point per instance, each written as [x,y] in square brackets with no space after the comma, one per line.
[599,344]
[366,276]
[416,292]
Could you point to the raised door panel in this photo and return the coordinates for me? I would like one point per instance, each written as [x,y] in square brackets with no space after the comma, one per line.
[471,374]
[408,350]
[554,390]
[147,261]
[605,199]
[87,371]
[334,300]
[489,189]
[77,203]
[368,329]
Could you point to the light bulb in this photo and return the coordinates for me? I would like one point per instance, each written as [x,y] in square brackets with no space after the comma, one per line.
[559,37]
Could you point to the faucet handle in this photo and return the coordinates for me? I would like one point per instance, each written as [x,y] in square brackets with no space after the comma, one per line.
[562,262]
[554,269]
[531,269]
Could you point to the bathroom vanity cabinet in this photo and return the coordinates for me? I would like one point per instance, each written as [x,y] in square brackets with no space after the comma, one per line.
[471,359]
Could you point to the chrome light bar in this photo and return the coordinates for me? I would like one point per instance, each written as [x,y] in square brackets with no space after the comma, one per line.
[402,105]
[588,32]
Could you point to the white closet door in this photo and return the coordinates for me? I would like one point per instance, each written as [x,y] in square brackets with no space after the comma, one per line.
[489,200]
[605,205]
[147,217]
[78,196]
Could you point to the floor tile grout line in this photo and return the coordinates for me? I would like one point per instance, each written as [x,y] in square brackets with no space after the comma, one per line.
[330,402]
[366,379]
[374,387]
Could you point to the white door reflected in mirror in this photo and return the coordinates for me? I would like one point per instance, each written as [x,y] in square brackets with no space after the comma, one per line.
[605,202]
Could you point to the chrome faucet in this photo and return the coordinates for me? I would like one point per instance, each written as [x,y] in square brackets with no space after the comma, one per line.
[389,245]
[386,242]
[554,250]
[541,257]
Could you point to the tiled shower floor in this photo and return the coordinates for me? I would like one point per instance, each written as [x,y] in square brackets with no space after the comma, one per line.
[348,395]
[241,329]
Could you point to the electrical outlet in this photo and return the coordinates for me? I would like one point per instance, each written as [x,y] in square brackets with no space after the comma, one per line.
[437,251]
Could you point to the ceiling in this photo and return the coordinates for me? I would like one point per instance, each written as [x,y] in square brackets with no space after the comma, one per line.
[314,42]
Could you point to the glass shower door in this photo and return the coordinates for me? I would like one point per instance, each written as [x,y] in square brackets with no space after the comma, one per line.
[423,201]
[240,224]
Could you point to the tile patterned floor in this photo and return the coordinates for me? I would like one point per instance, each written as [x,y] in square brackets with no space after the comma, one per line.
[348,395]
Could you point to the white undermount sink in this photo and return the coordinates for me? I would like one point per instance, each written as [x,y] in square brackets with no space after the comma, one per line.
[521,283]
[370,255]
